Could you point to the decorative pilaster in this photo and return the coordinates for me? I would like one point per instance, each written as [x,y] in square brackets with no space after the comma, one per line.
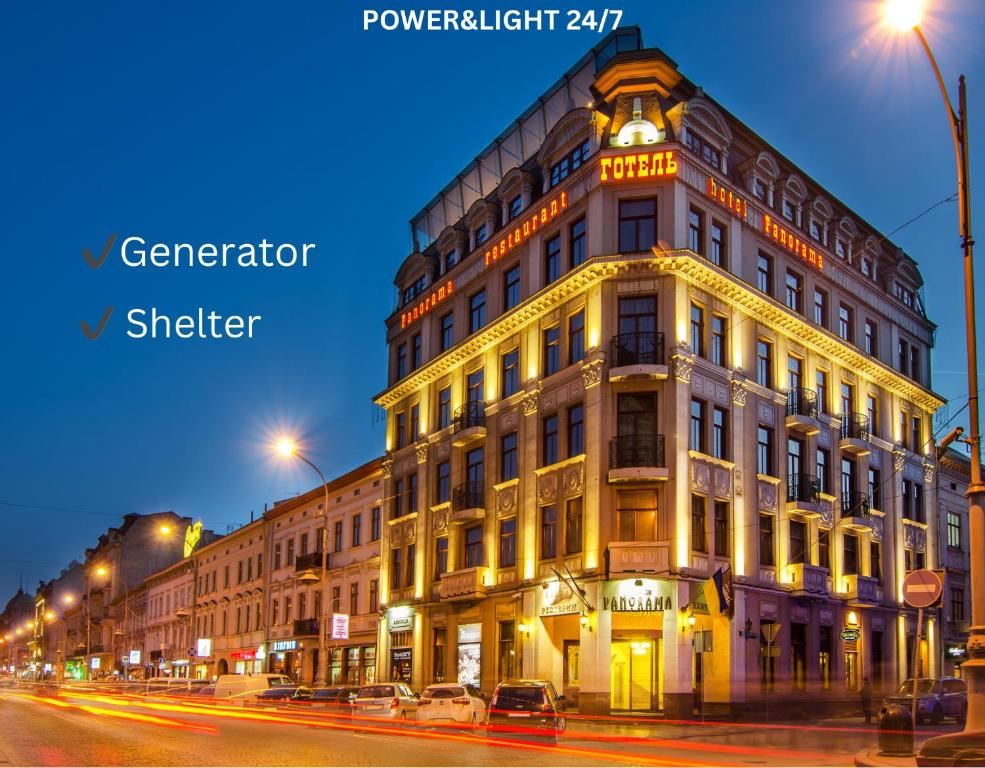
[683,362]
[591,372]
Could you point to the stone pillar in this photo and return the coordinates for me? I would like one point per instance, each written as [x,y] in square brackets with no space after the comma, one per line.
[594,697]
[677,662]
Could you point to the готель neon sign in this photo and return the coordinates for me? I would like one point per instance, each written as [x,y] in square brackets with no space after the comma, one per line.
[522,231]
[637,166]
[424,306]
[793,243]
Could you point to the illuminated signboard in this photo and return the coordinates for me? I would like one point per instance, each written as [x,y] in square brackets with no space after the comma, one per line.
[284,645]
[192,536]
[637,166]
[204,646]
[340,626]
[415,313]
[792,242]
[726,198]
[522,230]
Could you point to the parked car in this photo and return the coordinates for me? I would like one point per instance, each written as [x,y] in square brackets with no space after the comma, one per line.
[937,698]
[173,686]
[450,703]
[337,700]
[248,686]
[527,707]
[395,701]
[204,691]
[284,693]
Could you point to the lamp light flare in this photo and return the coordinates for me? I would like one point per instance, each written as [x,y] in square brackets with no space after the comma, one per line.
[903,15]
[164,530]
[101,571]
[286,447]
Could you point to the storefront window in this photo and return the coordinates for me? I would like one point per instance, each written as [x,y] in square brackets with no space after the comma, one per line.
[352,667]
[335,667]
[507,650]
[438,660]
[825,657]
[469,653]
[851,670]
[369,664]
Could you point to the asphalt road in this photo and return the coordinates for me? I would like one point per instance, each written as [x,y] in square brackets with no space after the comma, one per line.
[93,731]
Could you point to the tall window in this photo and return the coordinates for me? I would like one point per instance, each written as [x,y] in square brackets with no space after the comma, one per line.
[549,453]
[637,515]
[875,560]
[824,549]
[402,369]
[472,545]
[696,230]
[821,307]
[354,598]
[516,206]
[477,311]
[719,433]
[417,351]
[795,372]
[338,529]
[823,463]
[697,330]
[576,337]
[507,543]
[764,273]
[411,493]
[717,345]
[916,434]
[440,557]
[871,339]
[396,567]
[821,385]
[411,564]
[443,484]
[401,429]
[374,595]
[764,363]
[374,533]
[953,530]
[637,225]
[576,430]
[447,331]
[764,451]
[415,421]
[572,526]
[798,541]
[511,372]
[699,533]
[697,441]
[511,287]
[847,398]
[451,259]
[444,407]
[552,350]
[509,463]
[875,488]
[718,255]
[795,292]
[872,411]
[578,244]
[766,553]
[721,529]
[474,384]
[846,323]
[480,236]
[357,529]
[850,564]
[548,532]
[903,364]
[552,260]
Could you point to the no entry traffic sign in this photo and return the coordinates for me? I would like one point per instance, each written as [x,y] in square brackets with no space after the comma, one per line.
[922,588]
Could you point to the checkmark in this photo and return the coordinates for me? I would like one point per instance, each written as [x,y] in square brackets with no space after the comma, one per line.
[97,263]
[93,335]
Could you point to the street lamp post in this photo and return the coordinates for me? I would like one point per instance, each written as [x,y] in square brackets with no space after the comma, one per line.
[288,448]
[906,15]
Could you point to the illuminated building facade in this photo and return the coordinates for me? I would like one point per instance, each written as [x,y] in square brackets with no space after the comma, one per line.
[295,608]
[50,628]
[954,470]
[169,643]
[662,352]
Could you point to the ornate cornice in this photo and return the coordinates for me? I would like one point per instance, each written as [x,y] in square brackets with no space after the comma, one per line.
[695,270]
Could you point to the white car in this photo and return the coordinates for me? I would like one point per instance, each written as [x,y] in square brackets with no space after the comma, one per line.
[450,703]
[394,701]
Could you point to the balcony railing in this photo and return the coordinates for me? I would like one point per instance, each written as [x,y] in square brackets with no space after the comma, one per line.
[854,426]
[470,415]
[855,504]
[643,348]
[468,496]
[636,451]
[312,560]
[305,627]
[802,402]
[803,488]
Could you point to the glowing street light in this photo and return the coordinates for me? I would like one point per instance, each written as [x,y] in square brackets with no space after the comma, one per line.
[903,15]
[164,530]
[101,571]
[49,616]
[287,448]
[68,599]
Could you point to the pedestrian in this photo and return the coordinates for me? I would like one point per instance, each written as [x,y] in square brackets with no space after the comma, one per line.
[866,696]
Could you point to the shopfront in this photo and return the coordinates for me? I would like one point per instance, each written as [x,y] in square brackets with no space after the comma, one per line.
[287,658]
[400,622]
[352,665]
[246,662]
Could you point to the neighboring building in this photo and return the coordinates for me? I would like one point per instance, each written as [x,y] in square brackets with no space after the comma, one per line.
[17,633]
[230,586]
[169,645]
[635,345]
[50,627]
[101,620]
[296,608]
[954,471]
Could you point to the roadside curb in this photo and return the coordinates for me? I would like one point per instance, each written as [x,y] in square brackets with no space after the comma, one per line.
[872,757]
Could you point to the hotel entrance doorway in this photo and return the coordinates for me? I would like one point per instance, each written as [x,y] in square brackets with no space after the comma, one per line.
[635,675]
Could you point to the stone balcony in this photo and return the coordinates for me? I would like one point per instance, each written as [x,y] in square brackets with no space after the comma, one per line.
[863,589]
[802,411]
[637,357]
[470,424]
[464,584]
[806,579]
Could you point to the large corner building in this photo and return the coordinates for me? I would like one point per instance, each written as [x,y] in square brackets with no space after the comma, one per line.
[635,346]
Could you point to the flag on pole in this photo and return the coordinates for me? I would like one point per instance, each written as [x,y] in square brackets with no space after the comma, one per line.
[723,587]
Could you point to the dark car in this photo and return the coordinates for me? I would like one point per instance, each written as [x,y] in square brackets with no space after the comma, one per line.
[937,698]
[527,707]
[283,693]
[338,699]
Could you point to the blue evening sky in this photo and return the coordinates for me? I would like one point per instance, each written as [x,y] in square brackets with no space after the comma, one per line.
[225,121]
